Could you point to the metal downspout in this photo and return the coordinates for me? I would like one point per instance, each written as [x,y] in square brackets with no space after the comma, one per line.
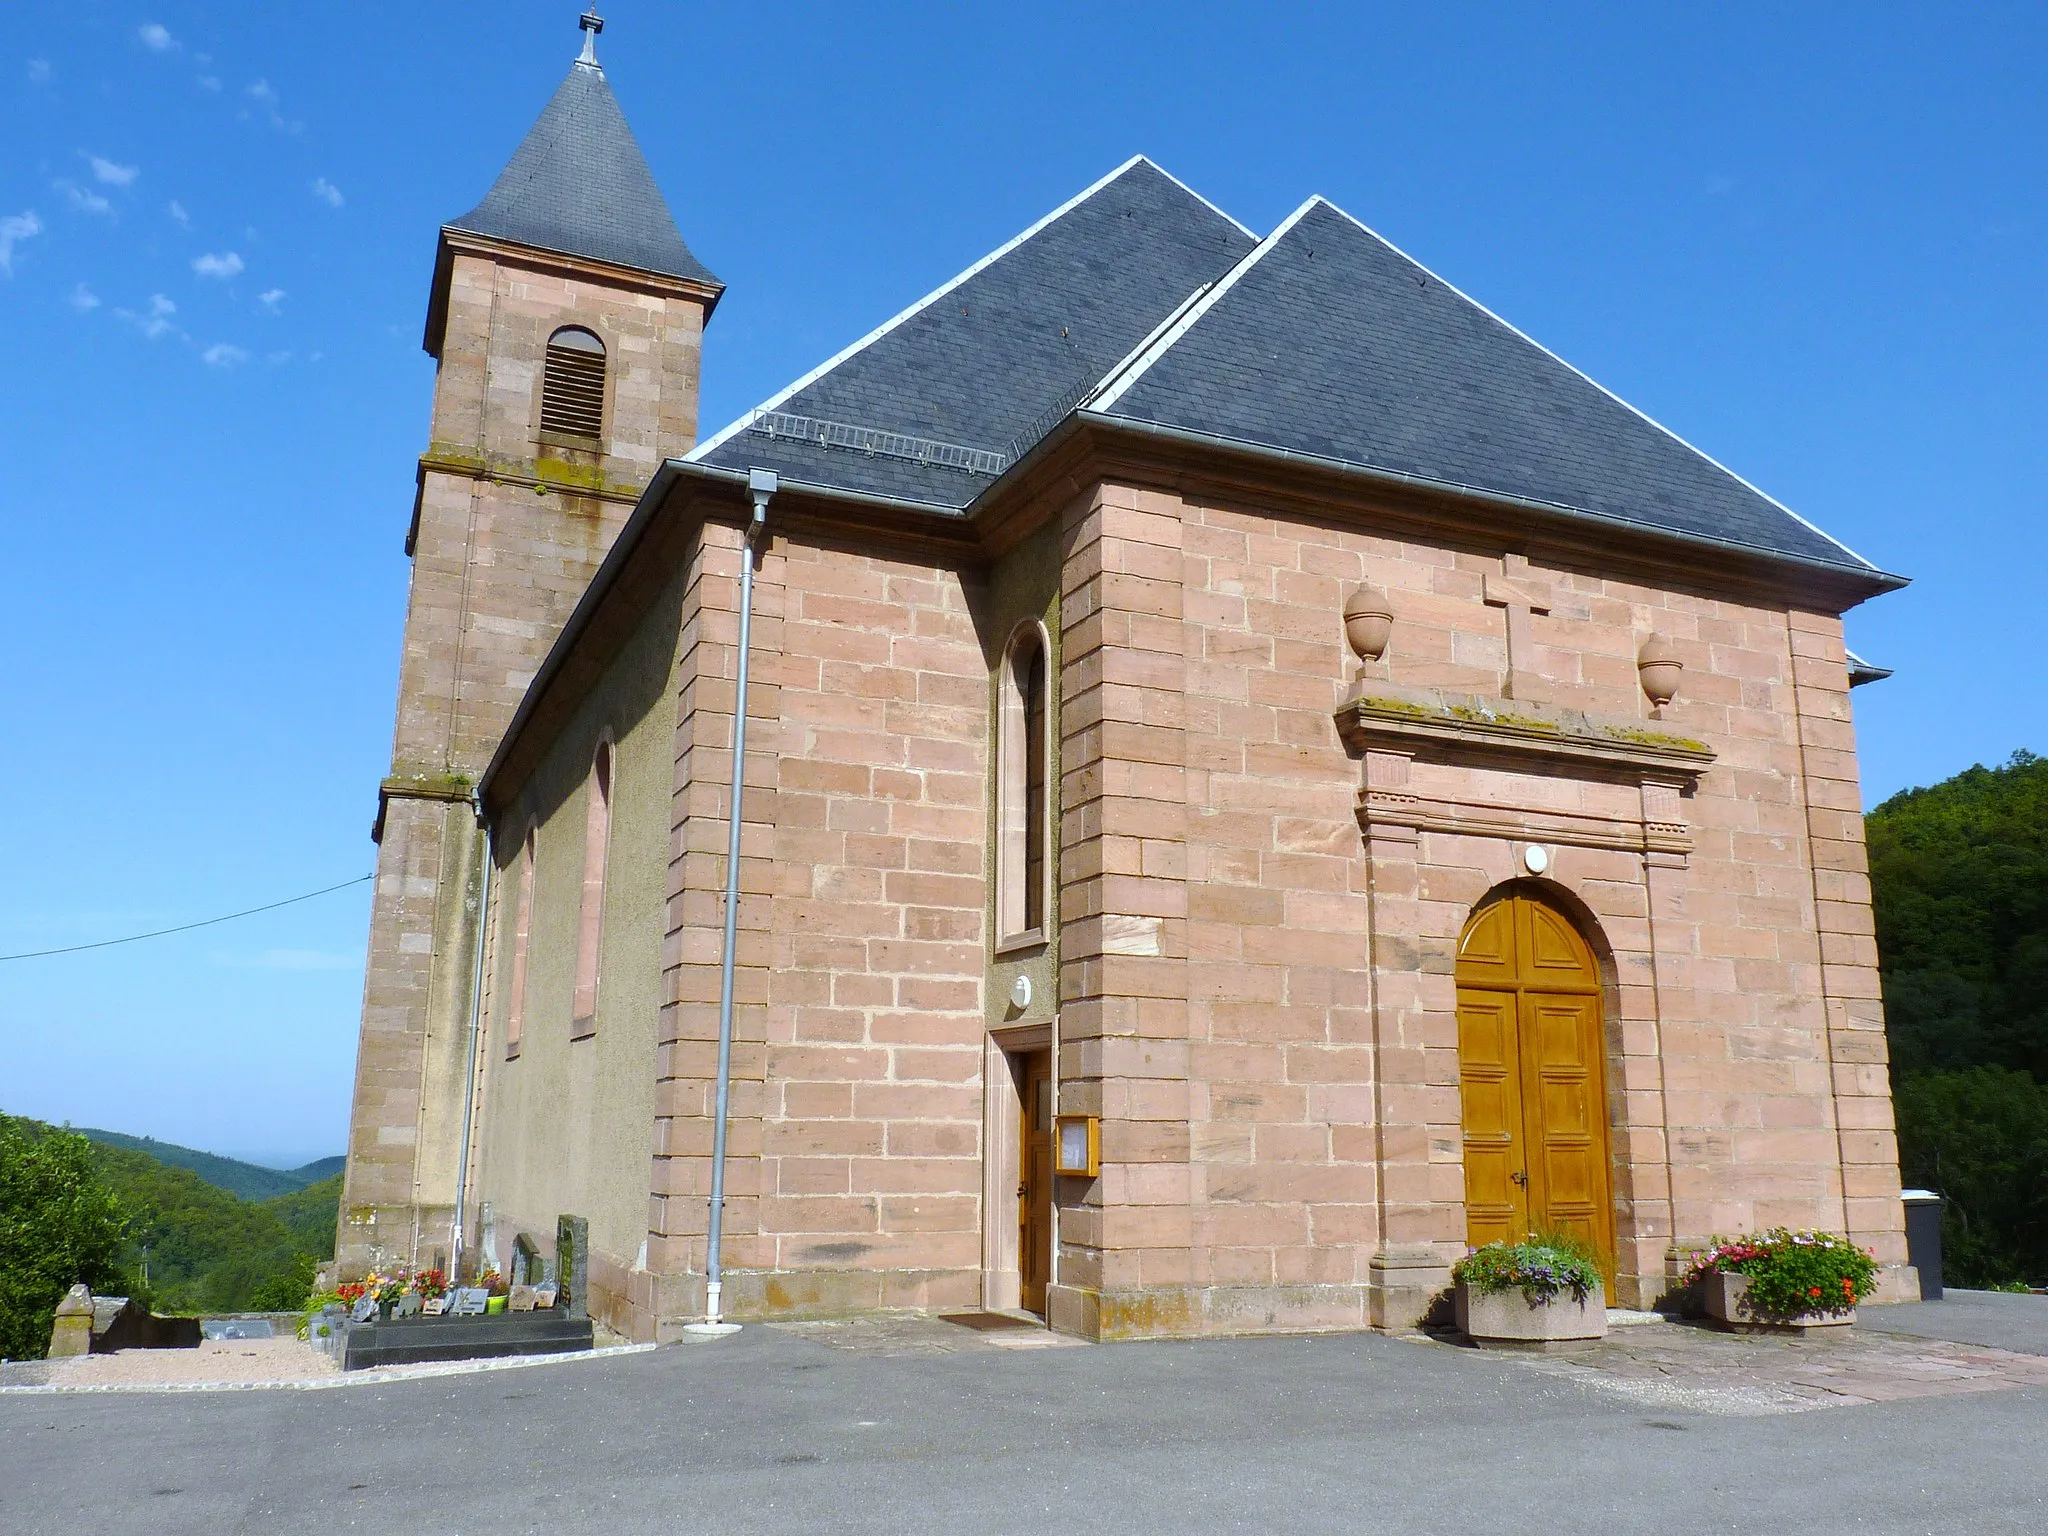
[476,1009]
[760,485]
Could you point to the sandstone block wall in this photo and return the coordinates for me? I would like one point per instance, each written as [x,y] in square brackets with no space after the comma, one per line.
[854,1154]
[507,532]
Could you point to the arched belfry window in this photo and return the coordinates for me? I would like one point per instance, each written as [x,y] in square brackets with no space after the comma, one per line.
[1023,875]
[597,842]
[572,387]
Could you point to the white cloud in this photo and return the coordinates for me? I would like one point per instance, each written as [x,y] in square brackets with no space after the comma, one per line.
[263,92]
[221,355]
[112,174]
[178,212]
[84,300]
[81,199]
[222,266]
[327,192]
[156,37]
[271,300]
[157,322]
[38,71]
[14,229]
[209,82]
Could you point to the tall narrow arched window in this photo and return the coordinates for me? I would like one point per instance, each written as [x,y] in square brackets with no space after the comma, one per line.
[597,837]
[522,926]
[572,385]
[1023,880]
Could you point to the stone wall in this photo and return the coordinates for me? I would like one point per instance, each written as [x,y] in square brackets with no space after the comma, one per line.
[507,532]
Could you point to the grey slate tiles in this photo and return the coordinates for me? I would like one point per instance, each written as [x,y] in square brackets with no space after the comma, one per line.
[1322,340]
[579,184]
[1012,345]
[1332,343]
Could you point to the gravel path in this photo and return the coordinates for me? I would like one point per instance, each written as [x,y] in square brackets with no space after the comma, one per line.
[215,1360]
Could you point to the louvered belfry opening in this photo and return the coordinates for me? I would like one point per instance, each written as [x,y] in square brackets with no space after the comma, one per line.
[572,390]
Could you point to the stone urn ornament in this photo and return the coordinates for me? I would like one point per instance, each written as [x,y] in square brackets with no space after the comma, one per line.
[1368,622]
[1659,668]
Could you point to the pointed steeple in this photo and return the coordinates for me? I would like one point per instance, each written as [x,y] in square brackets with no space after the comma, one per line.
[579,184]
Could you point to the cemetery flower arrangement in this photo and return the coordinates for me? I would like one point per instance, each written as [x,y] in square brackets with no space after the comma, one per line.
[493,1282]
[1542,1270]
[384,1289]
[429,1284]
[1792,1272]
[349,1292]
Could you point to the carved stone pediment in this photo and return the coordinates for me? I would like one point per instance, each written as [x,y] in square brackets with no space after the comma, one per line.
[1430,721]
[1449,762]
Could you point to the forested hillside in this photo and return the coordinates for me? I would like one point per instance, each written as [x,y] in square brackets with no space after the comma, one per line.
[1959,877]
[238,1178]
[203,1248]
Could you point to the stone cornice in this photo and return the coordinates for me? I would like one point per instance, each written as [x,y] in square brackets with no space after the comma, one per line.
[539,259]
[1432,722]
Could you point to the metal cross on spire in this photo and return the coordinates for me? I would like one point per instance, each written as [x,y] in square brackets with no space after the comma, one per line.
[592,24]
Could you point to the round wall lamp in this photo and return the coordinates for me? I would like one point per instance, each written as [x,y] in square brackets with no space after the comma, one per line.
[1535,858]
[1020,992]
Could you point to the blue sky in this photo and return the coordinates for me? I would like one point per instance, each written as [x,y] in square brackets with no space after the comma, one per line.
[1810,241]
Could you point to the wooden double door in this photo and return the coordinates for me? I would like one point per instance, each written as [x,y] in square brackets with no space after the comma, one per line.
[1531,1073]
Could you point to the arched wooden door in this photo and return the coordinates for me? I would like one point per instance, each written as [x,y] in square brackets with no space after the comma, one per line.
[1531,1072]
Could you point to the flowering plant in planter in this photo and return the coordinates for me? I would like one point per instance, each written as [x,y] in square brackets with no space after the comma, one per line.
[429,1284]
[349,1292]
[1791,1274]
[1541,1270]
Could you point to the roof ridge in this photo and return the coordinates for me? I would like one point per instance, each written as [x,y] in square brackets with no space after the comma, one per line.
[1139,361]
[1191,192]
[773,402]
[1636,411]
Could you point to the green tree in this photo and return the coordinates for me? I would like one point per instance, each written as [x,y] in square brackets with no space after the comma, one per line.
[59,1226]
[1980,1137]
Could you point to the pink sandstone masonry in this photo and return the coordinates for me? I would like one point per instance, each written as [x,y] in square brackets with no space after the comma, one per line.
[508,529]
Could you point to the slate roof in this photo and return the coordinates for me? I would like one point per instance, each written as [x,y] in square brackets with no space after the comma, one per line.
[578,184]
[998,356]
[1332,343]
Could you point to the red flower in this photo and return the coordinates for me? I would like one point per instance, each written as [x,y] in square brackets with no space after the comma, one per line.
[1813,1291]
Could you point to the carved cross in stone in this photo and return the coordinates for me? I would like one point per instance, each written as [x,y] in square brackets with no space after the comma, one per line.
[1521,594]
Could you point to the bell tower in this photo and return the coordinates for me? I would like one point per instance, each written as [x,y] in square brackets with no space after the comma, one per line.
[566,319]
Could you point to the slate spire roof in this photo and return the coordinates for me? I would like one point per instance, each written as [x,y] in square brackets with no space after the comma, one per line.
[578,184]
[1139,303]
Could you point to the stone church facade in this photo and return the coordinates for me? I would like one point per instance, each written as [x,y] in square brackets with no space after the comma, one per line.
[1232,695]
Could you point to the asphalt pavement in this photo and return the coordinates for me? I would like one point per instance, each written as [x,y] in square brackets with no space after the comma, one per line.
[770,1431]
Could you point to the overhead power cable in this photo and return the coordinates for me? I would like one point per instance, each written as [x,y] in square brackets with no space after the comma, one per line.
[207,922]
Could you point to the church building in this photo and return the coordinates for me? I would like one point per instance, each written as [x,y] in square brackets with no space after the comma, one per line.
[1257,776]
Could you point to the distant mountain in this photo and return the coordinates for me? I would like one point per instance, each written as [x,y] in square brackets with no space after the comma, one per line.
[246,1180]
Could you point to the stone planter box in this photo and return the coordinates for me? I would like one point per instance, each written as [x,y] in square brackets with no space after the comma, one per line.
[1723,1295]
[1506,1320]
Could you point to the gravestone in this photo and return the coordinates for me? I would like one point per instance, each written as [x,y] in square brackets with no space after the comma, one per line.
[572,1263]
[434,1306]
[364,1309]
[408,1305]
[544,1298]
[525,1260]
[469,1301]
[522,1299]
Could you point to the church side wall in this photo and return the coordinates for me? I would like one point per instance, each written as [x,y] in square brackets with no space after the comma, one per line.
[854,1155]
[567,1126]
